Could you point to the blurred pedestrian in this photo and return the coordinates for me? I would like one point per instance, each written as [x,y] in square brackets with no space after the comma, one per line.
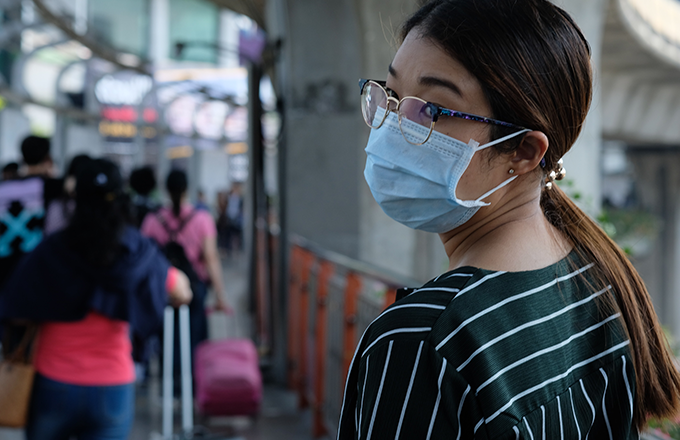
[235,218]
[143,183]
[201,202]
[60,210]
[99,282]
[10,171]
[541,327]
[188,237]
[24,202]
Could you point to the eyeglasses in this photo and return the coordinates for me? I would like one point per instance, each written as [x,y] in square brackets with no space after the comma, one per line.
[376,103]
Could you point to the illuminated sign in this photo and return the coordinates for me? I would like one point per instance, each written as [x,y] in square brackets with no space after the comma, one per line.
[128,89]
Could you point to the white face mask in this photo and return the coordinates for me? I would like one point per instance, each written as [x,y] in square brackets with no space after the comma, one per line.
[416,184]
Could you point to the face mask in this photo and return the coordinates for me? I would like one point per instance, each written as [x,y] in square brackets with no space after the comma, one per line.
[416,184]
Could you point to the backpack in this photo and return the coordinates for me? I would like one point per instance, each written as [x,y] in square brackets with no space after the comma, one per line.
[174,251]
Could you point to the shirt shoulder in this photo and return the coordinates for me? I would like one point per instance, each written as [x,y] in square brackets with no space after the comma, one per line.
[204,223]
[413,316]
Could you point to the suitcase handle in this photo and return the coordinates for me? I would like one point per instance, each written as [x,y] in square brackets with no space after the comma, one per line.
[185,365]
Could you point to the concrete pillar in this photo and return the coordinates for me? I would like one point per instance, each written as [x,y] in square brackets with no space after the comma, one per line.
[159,32]
[14,127]
[321,63]
[583,160]
[657,177]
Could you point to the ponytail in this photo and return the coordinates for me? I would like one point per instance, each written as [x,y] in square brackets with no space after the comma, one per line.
[177,185]
[657,378]
[176,199]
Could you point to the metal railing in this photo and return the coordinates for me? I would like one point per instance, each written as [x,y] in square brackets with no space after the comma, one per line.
[332,299]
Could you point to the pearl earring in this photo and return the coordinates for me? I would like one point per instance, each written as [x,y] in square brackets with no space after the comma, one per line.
[511,171]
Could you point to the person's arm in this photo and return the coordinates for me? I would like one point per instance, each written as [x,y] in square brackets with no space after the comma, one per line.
[178,287]
[212,263]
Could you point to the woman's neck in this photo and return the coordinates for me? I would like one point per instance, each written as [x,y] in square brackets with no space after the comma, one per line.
[495,238]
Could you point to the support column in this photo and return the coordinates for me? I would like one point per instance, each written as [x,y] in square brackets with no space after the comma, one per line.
[583,160]
[657,181]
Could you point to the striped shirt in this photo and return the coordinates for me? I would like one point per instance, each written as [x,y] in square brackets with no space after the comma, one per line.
[494,355]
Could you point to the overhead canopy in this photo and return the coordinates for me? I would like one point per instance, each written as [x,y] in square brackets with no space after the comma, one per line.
[254,9]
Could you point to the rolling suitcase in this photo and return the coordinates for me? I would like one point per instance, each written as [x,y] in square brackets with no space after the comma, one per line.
[228,378]
[189,431]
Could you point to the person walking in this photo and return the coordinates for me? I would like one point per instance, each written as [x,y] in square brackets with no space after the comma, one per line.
[181,226]
[24,202]
[90,287]
[541,328]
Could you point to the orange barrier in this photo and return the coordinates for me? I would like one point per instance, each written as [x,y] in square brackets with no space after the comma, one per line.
[352,290]
[325,273]
[325,287]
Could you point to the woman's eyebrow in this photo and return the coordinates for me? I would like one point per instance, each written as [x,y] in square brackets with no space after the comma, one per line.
[438,82]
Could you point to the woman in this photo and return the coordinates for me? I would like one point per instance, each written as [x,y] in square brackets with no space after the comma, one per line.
[90,287]
[194,231]
[541,328]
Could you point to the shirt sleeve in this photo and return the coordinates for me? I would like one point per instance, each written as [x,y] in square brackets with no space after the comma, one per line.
[150,227]
[206,224]
[407,390]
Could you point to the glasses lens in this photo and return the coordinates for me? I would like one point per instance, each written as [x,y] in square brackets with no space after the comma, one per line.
[419,116]
[373,104]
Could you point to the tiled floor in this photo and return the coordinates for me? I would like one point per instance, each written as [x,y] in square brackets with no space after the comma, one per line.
[279,418]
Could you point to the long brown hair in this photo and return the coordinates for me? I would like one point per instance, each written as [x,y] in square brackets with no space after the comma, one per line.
[533,64]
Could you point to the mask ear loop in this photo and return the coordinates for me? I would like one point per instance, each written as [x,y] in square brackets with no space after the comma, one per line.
[475,145]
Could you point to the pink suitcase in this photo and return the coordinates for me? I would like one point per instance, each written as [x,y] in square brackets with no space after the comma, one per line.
[227,377]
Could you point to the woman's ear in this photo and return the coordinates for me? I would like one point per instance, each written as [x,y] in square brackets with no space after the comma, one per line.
[530,151]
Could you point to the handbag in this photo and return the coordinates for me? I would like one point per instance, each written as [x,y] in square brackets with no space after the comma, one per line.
[16,380]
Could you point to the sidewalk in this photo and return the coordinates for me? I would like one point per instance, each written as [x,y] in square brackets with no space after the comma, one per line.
[279,418]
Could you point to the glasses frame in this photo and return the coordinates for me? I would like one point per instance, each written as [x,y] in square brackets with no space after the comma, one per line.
[434,108]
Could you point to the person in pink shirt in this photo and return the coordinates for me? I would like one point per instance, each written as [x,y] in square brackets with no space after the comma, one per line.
[195,232]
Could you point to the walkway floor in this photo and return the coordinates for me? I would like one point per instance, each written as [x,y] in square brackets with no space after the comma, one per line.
[279,418]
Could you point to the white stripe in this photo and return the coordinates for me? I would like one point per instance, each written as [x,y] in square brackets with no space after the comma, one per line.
[377,399]
[395,331]
[406,306]
[604,408]
[531,434]
[469,275]
[477,283]
[408,391]
[437,279]
[555,379]
[415,305]
[546,350]
[506,301]
[344,396]
[363,393]
[514,428]
[438,289]
[543,421]
[531,324]
[439,398]
[460,409]
[592,407]
[478,425]
[625,379]
[559,413]
[578,428]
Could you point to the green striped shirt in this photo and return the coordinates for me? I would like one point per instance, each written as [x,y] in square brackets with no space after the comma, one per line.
[494,355]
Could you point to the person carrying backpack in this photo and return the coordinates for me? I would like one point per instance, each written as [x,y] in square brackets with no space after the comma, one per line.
[188,237]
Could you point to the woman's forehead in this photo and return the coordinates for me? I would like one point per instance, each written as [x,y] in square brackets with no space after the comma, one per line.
[419,63]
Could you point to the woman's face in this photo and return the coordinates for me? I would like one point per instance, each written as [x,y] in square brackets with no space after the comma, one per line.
[420,68]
